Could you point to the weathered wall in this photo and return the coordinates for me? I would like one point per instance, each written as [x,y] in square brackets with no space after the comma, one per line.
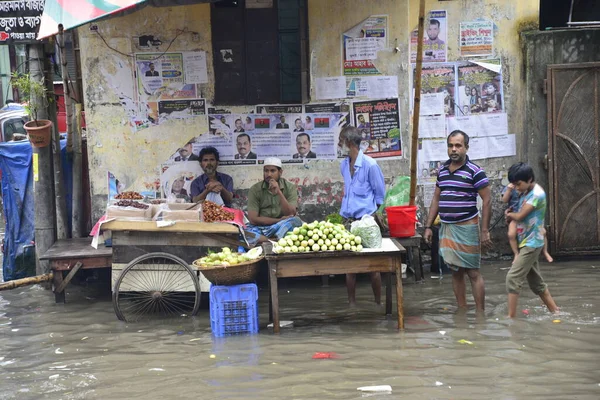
[136,156]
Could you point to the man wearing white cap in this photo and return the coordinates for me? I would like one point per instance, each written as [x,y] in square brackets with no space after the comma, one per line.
[272,204]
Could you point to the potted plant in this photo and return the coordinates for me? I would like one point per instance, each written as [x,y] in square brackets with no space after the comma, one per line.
[33,93]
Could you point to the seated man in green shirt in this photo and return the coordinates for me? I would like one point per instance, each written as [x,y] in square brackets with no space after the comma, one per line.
[272,204]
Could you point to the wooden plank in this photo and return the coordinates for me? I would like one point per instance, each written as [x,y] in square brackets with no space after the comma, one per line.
[388,293]
[150,226]
[135,238]
[87,263]
[75,248]
[126,254]
[59,297]
[273,267]
[334,265]
[399,294]
[68,278]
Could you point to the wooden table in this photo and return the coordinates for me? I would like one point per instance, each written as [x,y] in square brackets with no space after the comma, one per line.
[72,255]
[387,259]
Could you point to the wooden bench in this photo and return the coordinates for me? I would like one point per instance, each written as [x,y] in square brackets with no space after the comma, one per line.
[72,255]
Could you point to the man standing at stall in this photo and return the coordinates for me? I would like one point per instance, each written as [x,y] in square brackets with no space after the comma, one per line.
[212,185]
[364,191]
[455,198]
[272,204]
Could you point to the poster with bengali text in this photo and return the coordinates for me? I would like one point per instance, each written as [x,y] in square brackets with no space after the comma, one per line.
[435,38]
[479,90]
[361,44]
[438,79]
[476,38]
[379,123]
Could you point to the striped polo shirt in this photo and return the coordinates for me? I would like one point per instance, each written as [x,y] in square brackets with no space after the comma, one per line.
[458,197]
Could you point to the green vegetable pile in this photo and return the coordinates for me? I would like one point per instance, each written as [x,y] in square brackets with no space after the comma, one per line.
[318,236]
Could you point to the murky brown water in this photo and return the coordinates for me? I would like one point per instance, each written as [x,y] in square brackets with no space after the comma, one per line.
[80,350]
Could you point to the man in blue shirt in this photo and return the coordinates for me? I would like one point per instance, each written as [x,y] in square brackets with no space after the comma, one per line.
[364,191]
[212,185]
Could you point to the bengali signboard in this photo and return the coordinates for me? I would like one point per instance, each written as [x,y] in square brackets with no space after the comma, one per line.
[20,20]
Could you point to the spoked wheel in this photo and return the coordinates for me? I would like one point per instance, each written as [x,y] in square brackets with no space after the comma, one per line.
[156,285]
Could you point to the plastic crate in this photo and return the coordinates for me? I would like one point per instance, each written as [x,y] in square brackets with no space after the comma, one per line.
[234,309]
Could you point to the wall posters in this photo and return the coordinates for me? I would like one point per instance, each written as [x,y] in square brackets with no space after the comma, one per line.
[247,139]
[479,89]
[361,44]
[435,38]
[438,87]
[476,38]
[379,122]
[166,86]
[20,20]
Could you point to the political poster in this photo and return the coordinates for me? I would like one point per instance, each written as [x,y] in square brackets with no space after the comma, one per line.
[435,38]
[361,44]
[379,123]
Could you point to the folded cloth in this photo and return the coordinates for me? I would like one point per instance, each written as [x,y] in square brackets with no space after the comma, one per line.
[277,230]
[459,244]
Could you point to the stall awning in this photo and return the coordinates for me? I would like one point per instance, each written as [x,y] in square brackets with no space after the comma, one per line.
[73,13]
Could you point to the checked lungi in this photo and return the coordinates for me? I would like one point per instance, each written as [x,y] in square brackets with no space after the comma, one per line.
[460,246]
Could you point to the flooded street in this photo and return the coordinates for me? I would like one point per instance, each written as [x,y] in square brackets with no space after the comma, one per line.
[80,350]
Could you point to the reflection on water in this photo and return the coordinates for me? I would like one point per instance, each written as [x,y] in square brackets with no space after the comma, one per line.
[80,350]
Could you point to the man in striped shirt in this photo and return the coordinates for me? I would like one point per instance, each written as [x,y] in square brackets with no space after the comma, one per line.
[458,184]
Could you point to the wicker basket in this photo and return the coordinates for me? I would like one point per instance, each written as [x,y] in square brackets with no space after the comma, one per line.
[232,275]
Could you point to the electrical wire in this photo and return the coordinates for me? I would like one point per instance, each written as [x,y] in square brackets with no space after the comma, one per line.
[178,33]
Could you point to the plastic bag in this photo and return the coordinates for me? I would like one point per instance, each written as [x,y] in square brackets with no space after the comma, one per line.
[368,230]
[397,195]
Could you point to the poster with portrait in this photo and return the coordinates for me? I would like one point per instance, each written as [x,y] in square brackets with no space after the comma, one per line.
[480,88]
[379,124]
[176,180]
[435,38]
[361,44]
[438,89]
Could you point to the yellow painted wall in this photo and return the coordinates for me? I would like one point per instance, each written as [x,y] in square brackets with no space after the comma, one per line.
[135,157]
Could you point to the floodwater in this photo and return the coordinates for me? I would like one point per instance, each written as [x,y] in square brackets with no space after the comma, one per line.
[79,350]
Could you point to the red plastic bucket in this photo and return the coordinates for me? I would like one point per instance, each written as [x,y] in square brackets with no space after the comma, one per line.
[402,220]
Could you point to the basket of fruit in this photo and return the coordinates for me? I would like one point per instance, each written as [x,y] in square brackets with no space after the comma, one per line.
[230,268]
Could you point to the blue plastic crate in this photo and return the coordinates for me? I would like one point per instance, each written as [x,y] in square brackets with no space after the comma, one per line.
[234,309]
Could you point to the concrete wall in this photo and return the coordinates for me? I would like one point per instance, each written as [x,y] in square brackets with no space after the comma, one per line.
[136,156]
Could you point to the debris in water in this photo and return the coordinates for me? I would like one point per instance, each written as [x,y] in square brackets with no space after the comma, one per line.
[15,330]
[84,338]
[379,388]
[57,351]
[556,321]
[525,311]
[180,333]
[194,339]
[325,356]
[438,383]
[54,376]
[212,356]
[442,333]
[156,369]
[463,341]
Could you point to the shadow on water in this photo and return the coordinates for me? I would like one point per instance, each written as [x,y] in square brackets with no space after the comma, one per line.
[80,350]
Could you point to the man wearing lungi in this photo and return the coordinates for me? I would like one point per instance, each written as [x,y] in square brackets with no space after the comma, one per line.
[272,204]
[455,198]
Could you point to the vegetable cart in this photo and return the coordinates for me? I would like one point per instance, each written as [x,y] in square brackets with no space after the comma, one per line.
[152,267]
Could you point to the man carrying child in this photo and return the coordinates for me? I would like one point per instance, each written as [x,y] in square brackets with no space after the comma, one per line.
[530,234]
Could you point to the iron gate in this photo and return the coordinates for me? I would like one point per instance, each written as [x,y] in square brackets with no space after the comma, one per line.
[574,158]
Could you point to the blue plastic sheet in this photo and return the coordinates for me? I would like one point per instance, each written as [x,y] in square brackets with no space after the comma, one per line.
[18,204]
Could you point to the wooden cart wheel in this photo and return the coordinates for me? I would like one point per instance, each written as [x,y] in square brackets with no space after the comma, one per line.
[156,285]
